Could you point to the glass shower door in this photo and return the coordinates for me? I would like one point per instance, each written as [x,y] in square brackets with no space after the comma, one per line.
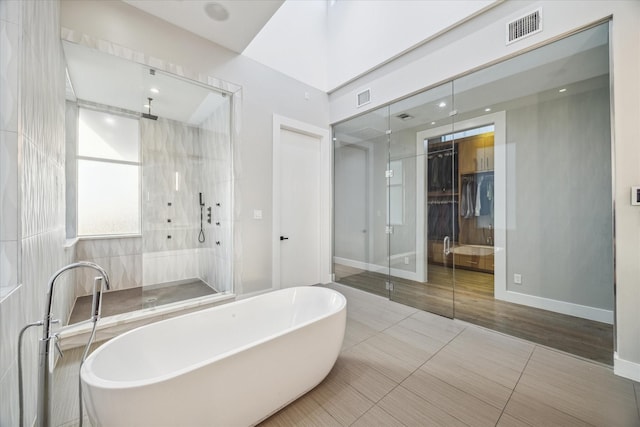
[422,194]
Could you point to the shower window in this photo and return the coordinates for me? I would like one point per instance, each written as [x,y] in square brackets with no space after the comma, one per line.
[108,174]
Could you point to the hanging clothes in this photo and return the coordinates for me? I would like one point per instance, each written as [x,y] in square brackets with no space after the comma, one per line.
[442,171]
[442,220]
[468,196]
[486,196]
[478,204]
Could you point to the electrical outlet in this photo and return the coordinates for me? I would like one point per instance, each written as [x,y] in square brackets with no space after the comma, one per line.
[406,260]
[517,279]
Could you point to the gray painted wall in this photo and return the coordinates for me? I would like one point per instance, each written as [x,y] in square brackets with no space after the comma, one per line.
[559,224]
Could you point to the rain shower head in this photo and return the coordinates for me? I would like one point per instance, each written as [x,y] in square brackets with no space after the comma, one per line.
[148,115]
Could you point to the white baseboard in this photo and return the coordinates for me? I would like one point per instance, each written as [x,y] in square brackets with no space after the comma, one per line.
[625,368]
[563,307]
[395,272]
[577,310]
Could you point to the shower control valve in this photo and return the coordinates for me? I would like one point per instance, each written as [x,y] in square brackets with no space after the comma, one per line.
[209,214]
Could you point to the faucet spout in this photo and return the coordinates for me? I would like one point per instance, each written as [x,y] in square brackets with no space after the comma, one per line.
[43,419]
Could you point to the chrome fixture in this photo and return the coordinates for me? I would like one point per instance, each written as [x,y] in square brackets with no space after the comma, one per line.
[201,237]
[446,245]
[44,373]
[148,114]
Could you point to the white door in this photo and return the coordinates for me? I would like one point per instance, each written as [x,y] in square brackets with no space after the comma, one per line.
[351,204]
[299,209]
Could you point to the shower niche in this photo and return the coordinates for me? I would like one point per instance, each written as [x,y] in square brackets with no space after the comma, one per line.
[178,244]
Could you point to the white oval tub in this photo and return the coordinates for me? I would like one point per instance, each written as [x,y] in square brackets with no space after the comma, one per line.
[231,365]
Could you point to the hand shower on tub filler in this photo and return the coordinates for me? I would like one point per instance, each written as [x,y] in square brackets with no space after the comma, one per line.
[201,237]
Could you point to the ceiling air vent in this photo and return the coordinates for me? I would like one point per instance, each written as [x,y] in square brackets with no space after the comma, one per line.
[524,27]
[404,116]
[363,98]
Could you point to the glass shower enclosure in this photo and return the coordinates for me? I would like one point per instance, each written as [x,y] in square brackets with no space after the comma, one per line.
[149,180]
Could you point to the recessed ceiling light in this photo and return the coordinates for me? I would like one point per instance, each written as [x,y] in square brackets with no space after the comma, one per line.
[562,90]
[154,90]
[216,11]
[487,109]
[433,123]
[442,104]
[109,120]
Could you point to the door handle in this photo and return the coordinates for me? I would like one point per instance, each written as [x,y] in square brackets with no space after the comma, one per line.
[446,245]
[284,238]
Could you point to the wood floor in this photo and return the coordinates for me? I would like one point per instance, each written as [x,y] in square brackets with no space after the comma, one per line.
[473,302]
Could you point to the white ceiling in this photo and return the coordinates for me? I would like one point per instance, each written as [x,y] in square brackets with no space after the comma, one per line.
[246,18]
[109,80]
[323,43]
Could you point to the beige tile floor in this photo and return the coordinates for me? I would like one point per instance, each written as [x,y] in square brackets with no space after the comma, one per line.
[404,367]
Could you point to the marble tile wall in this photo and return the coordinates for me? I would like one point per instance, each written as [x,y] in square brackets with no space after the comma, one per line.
[9,61]
[200,157]
[120,257]
[171,266]
[171,148]
[217,262]
[71,136]
[32,184]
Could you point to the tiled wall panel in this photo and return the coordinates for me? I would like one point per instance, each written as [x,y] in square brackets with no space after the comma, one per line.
[121,258]
[9,89]
[32,117]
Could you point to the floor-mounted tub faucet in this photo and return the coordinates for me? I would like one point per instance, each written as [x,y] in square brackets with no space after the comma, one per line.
[44,374]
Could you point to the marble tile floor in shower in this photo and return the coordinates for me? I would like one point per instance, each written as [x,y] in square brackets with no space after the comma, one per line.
[126,300]
[400,366]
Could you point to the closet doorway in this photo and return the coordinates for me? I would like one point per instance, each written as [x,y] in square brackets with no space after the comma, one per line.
[460,225]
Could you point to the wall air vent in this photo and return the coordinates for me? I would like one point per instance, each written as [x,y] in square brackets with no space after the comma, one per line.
[363,98]
[524,26]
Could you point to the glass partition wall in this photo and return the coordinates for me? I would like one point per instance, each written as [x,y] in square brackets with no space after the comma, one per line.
[489,198]
[361,157]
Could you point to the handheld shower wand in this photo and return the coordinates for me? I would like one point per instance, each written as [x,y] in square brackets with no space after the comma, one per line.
[201,237]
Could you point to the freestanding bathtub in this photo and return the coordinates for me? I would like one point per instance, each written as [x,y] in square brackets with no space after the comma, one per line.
[231,365]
